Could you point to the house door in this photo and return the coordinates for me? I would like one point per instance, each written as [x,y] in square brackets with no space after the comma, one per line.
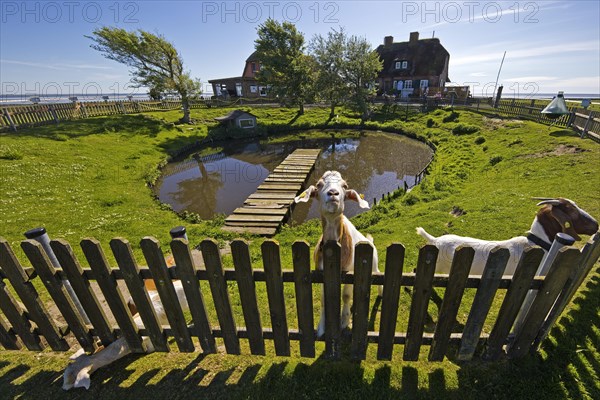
[238,89]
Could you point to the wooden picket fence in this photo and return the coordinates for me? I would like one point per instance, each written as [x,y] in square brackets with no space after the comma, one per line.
[28,319]
[16,117]
[586,122]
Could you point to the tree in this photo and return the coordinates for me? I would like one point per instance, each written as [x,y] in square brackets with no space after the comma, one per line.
[285,69]
[362,67]
[154,61]
[329,55]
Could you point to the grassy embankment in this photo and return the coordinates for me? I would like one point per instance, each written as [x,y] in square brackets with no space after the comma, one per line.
[89,178]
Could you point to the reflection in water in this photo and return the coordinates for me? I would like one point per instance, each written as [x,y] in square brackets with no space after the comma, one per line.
[373,164]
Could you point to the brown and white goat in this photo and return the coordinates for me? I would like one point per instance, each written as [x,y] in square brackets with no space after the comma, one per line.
[331,191]
[77,374]
[556,215]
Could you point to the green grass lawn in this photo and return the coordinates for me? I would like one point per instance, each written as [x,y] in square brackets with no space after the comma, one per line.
[90,178]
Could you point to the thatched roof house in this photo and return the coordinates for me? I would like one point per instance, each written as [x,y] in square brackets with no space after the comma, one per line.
[414,67]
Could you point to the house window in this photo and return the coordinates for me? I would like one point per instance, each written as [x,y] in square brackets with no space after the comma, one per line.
[263,90]
[238,89]
[401,64]
[408,84]
[398,85]
[404,64]
[246,123]
[424,83]
[253,67]
[253,89]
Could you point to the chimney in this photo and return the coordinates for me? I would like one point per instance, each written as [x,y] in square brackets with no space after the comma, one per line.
[414,37]
[388,40]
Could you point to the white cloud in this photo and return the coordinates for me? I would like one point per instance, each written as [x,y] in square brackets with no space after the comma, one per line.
[532,51]
[478,74]
[531,79]
[55,66]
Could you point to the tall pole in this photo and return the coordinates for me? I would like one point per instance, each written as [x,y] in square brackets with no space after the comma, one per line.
[498,77]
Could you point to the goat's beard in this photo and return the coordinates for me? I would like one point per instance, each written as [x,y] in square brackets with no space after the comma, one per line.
[333,208]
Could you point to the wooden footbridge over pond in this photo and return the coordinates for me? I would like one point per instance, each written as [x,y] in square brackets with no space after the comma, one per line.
[270,206]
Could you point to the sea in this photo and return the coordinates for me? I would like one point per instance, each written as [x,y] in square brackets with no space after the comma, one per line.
[14,99]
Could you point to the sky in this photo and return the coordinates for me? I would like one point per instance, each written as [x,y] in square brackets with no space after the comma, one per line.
[550,45]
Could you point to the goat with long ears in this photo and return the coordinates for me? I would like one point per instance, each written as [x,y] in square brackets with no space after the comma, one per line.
[556,215]
[332,191]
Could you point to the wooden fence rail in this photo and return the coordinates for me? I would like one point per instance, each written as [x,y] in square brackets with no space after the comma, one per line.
[26,319]
[21,116]
[586,122]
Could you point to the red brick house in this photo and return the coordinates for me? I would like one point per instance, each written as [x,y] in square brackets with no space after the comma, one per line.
[413,68]
[241,86]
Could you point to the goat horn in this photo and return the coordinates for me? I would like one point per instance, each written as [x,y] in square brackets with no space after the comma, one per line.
[552,202]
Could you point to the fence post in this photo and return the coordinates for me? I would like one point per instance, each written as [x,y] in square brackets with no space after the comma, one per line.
[167,293]
[394,264]
[9,119]
[23,286]
[420,299]
[520,284]
[47,273]
[20,324]
[8,339]
[585,127]
[490,280]
[332,281]
[589,256]
[459,272]
[82,289]
[108,284]
[187,272]
[561,240]
[272,267]
[218,288]
[135,284]
[304,298]
[546,296]
[363,268]
[40,236]
[53,112]
[247,289]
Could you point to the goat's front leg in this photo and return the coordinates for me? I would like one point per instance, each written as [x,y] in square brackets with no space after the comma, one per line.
[321,326]
[346,299]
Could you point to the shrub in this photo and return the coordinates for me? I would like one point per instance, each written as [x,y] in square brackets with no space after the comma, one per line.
[410,199]
[479,140]
[464,129]
[495,160]
[453,116]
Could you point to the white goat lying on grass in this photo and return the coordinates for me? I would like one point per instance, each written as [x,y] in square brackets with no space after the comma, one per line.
[77,374]
[556,215]
[331,191]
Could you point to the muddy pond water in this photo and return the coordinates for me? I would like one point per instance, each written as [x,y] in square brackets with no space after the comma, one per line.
[373,163]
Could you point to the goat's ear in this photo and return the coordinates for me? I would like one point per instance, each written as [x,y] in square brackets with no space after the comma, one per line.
[565,222]
[352,194]
[306,195]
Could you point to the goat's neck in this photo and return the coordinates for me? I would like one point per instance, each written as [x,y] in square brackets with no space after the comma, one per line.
[539,230]
[333,228]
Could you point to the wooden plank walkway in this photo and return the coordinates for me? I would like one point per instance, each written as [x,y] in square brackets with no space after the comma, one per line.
[269,207]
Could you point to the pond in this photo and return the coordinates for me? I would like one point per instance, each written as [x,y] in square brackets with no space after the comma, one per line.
[373,163]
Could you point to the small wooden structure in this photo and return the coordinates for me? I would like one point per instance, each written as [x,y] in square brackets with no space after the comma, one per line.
[238,119]
[25,320]
[265,210]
